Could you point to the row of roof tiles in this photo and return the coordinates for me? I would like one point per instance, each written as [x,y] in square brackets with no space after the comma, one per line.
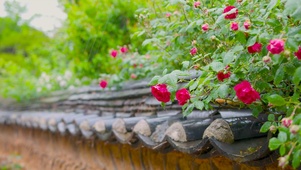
[232,133]
[132,116]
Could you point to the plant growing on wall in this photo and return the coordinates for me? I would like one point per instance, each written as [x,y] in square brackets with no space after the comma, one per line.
[247,53]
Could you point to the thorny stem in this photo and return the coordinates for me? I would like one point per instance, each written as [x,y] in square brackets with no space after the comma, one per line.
[185,16]
[292,148]
[294,111]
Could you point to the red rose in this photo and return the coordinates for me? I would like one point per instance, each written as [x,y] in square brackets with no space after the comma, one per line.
[255,48]
[232,15]
[276,46]
[123,49]
[234,26]
[205,27]
[221,75]
[197,4]
[247,25]
[114,53]
[193,51]
[161,93]
[298,53]
[182,96]
[246,93]
[103,84]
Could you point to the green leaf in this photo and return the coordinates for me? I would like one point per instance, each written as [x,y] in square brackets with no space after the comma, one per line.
[274,143]
[296,158]
[199,105]
[185,64]
[251,41]
[265,127]
[282,136]
[228,58]
[241,37]
[291,6]
[271,5]
[282,149]
[271,117]
[237,48]
[222,91]
[279,76]
[194,85]
[276,100]
[163,105]
[154,80]
[188,110]
[217,66]
[231,2]
[199,22]
[220,19]
[297,14]
[297,76]
[289,68]
[148,41]
[295,97]
[292,42]
[191,26]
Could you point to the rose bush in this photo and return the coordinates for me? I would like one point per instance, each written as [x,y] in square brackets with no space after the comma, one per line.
[257,65]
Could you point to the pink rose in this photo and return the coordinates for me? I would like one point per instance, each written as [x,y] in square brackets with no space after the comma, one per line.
[197,4]
[114,53]
[255,48]
[247,25]
[103,84]
[205,27]
[286,122]
[123,49]
[193,51]
[221,75]
[234,26]
[161,93]
[276,46]
[182,96]
[246,93]
[133,76]
[298,53]
[167,15]
[232,15]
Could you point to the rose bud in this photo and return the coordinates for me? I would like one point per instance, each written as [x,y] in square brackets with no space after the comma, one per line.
[294,129]
[266,59]
[286,122]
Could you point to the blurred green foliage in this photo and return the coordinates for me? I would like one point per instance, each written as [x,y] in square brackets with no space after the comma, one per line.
[33,64]
[94,28]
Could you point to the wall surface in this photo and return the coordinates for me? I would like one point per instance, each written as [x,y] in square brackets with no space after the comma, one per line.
[48,151]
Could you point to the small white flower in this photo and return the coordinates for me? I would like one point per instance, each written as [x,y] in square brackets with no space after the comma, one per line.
[48,86]
[68,74]
[59,78]
[39,89]
[63,83]
[71,87]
